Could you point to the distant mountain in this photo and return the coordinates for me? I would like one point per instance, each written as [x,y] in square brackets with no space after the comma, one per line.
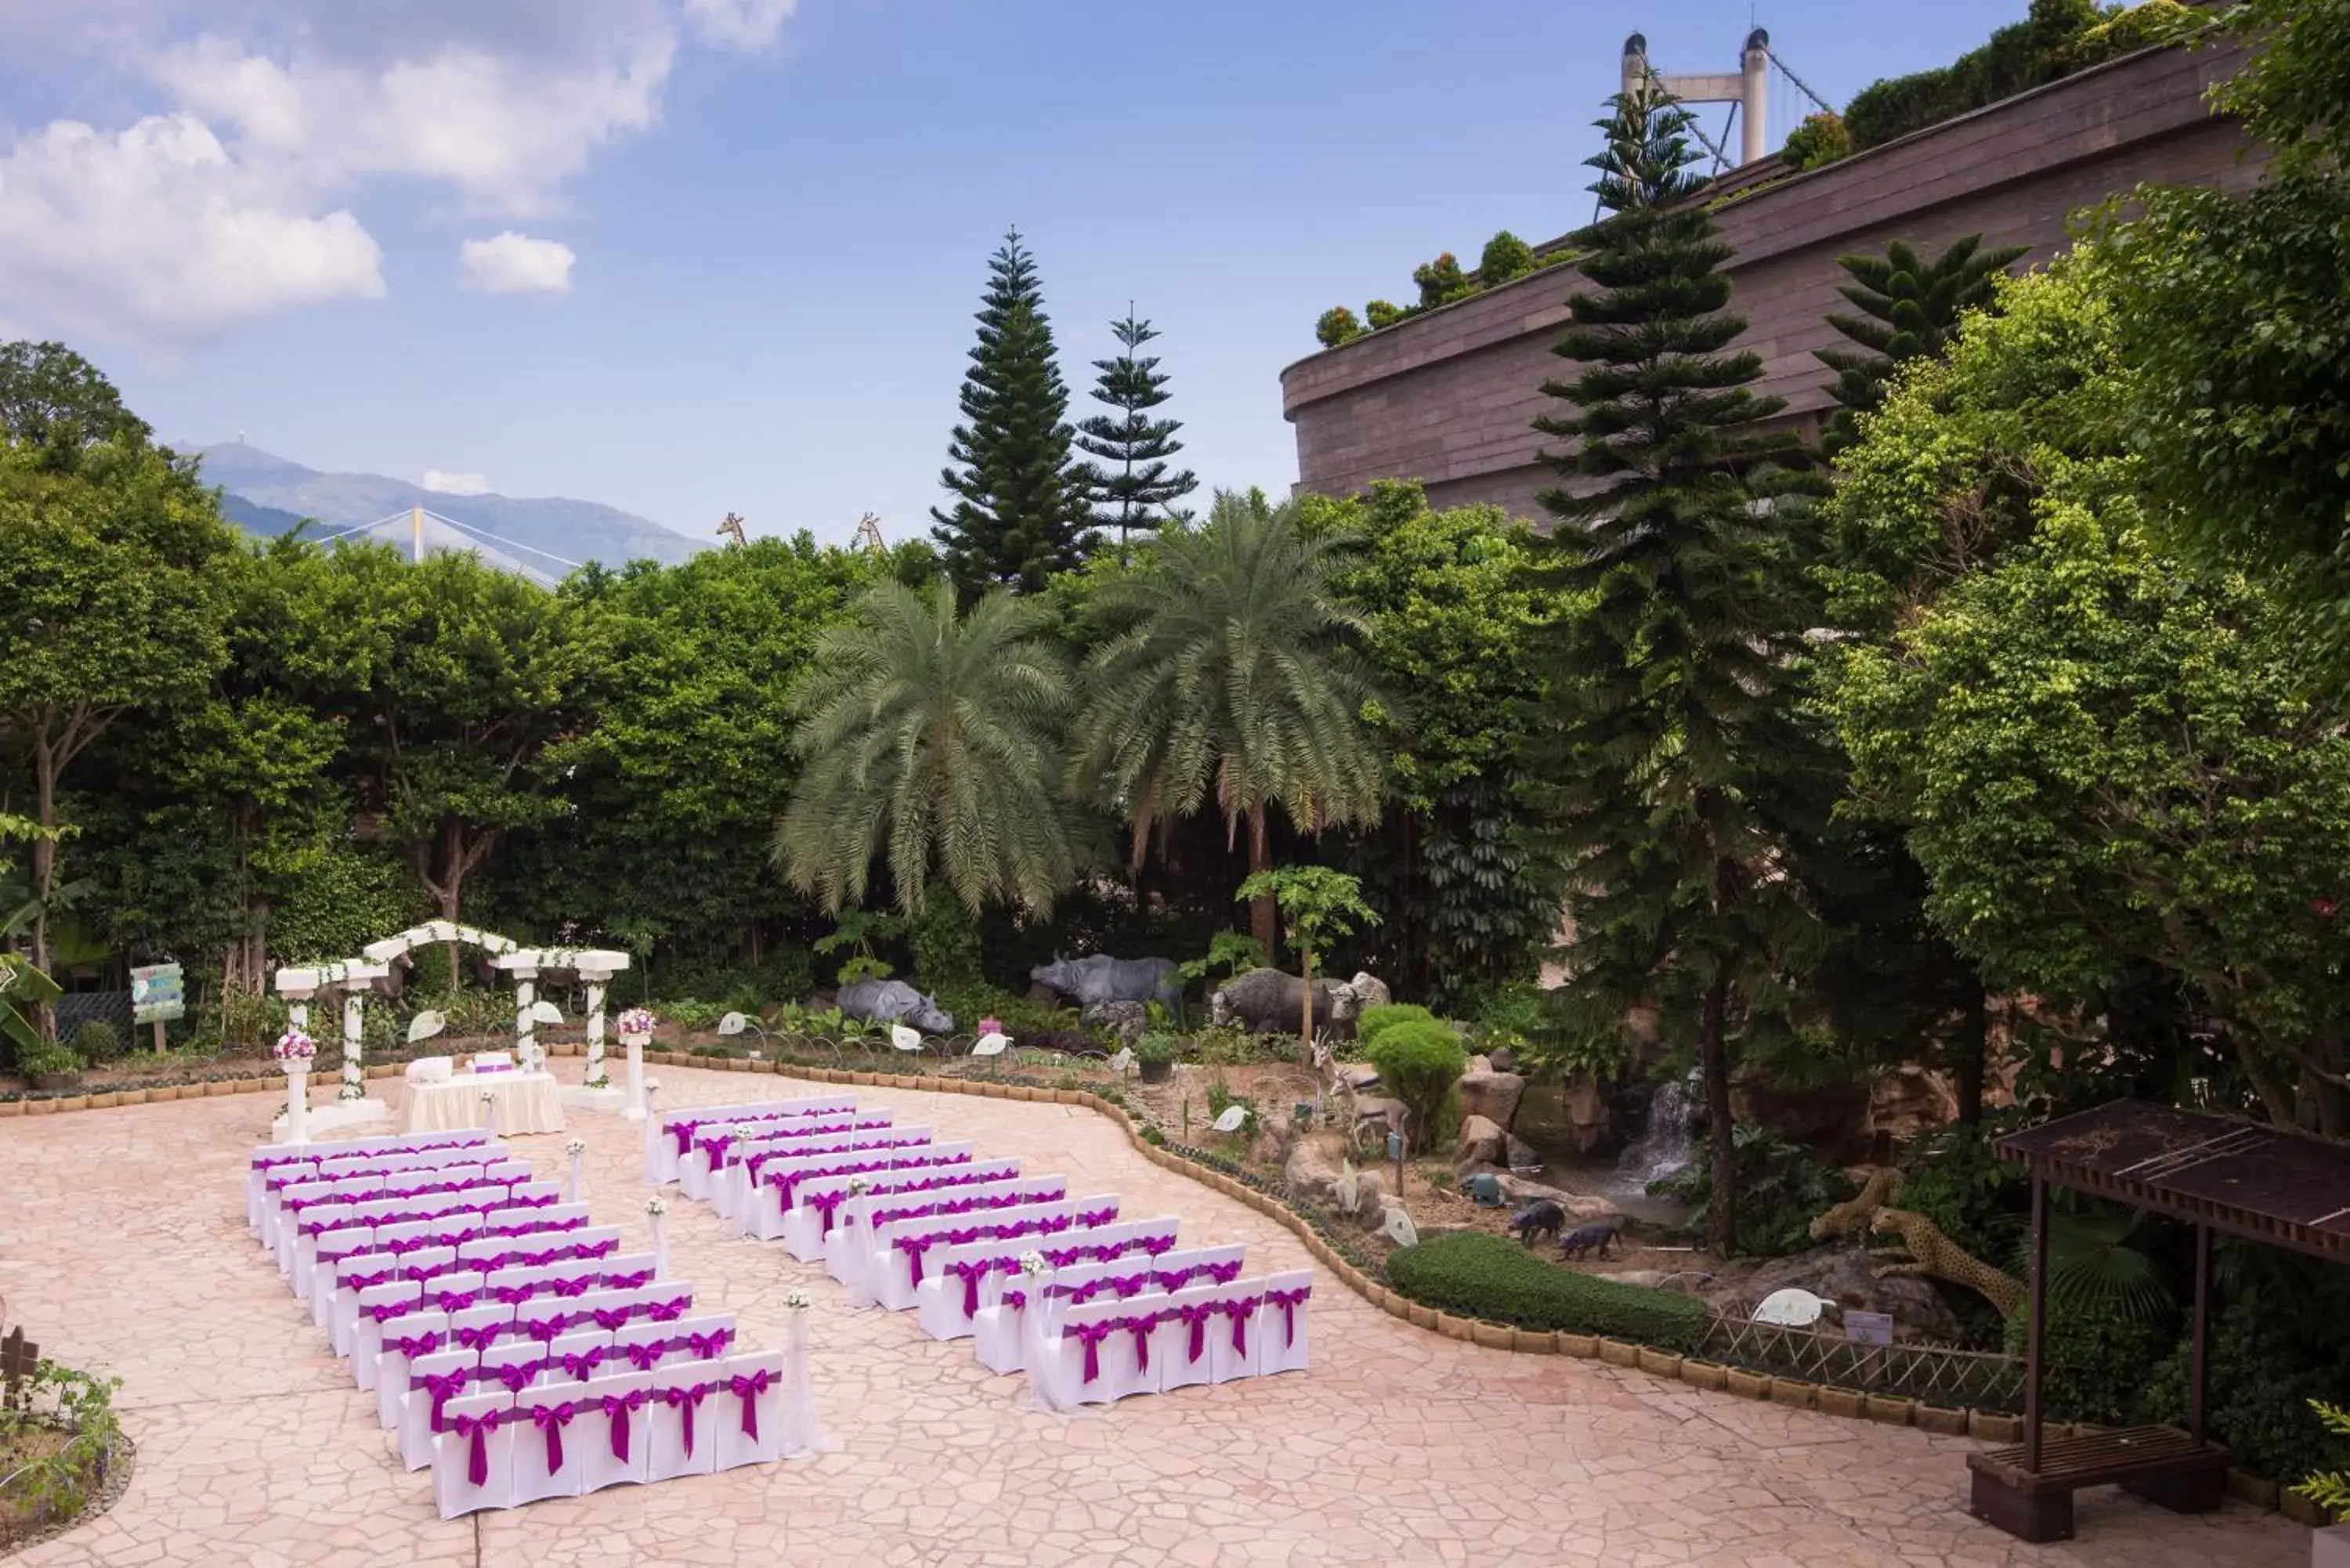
[266,493]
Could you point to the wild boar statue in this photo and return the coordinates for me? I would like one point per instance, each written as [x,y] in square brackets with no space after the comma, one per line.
[894,1002]
[1101,978]
[1268,1002]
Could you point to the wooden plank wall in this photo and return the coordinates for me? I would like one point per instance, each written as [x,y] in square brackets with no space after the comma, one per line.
[1448,398]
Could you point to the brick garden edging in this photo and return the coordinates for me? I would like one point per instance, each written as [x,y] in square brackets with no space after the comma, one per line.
[1984,1426]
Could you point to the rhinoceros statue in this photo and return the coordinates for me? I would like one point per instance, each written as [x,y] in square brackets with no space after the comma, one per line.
[894,1002]
[1101,978]
[1268,1002]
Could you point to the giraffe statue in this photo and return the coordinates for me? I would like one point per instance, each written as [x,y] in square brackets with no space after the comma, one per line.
[733,526]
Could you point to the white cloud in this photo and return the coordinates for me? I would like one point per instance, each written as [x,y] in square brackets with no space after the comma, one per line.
[155,233]
[510,263]
[234,203]
[745,25]
[445,483]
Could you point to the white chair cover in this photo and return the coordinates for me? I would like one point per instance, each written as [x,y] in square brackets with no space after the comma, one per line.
[466,1476]
[1280,1323]
[426,1389]
[749,1418]
[681,1418]
[548,1449]
[853,1233]
[694,1169]
[1110,1338]
[662,1154]
[618,1421]
[892,1278]
[380,1359]
[761,1204]
[384,1294]
[649,1346]
[816,1199]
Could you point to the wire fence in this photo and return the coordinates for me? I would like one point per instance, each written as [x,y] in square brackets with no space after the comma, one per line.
[1939,1374]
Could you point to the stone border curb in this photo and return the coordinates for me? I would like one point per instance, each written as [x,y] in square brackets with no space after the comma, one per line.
[1981,1425]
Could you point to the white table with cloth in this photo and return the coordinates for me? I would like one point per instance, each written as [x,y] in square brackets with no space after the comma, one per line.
[527,1102]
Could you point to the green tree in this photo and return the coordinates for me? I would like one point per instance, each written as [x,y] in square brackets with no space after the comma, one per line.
[683,762]
[2108,758]
[1505,256]
[2236,309]
[930,741]
[1457,864]
[111,603]
[1132,481]
[1441,281]
[1317,903]
[1229,668]
[1336,326]
[52,397]
[1685,778]
[477,674]
[1021,504]
[1908,306]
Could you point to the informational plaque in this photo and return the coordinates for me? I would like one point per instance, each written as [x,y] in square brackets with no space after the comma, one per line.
[1868,1328]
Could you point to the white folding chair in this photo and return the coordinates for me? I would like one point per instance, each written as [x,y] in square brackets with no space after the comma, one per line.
[1092,1356]
[612,1439]
[1280,1323]
[1182,1346]
[750,1413]
[381,1353]
[677,1430]
[581,1355]
[470,1471]
[1233,1340]
[816,1198]
[427,1386]
[767,1175]
[649,1346]
[385,1294]
[548,1454]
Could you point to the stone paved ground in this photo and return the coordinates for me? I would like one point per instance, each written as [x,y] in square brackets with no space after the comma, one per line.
[122,1243]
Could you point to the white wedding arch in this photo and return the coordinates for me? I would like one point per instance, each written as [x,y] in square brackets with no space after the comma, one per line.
[354,977]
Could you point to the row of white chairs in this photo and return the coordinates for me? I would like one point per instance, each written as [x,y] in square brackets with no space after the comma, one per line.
[669,1137]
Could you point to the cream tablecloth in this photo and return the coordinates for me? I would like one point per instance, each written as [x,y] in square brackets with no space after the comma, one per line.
[527,1103]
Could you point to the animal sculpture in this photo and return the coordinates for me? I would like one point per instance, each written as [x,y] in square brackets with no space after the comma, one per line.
[1101,978]
[894,1002]
[1541,1217]
[1594,1239]
[1268,1002]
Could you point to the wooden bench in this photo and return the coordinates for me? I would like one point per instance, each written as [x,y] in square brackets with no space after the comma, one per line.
[2161,1464]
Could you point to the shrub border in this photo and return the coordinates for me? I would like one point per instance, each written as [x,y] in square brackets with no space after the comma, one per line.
[1199,1166]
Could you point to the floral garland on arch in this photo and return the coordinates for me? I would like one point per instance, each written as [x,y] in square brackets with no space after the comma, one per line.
[354,1079]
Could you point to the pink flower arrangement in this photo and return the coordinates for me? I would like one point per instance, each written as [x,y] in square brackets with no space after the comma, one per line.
[996,1025]
[636,1021]
[294,1047]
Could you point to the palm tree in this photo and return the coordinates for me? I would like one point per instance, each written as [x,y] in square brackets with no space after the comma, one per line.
[933,739]
[1229,666]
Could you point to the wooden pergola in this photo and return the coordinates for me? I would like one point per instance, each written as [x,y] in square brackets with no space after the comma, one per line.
[2216,1173]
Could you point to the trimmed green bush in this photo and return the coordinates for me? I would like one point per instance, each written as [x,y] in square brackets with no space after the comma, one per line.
[1821,140]
[1419,1061]
[1484,1276]
[1383,313]
[1339,325]
[1377,1021]
[97,1041]
[1506,256]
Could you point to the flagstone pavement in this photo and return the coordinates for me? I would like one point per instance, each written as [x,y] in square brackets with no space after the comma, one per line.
[122,1245]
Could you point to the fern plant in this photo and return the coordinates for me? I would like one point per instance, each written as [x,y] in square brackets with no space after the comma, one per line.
[2330,1489]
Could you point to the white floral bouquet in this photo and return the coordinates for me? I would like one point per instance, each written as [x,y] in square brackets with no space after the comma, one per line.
[635,1022]
[795,1300]
[576,1147]
[295,1046]
[655,1207]
[1032,1263]
[858,1186]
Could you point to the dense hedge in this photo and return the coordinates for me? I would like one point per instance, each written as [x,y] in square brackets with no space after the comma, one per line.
[1377,1021]
[1484,1276]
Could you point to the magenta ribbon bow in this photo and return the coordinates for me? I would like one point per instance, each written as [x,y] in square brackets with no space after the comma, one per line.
[546,1330]
[969,1273]
[414,1345]
[1288,1300]
[668,1312]
[516,1376]
[1197,1315]
[748,1390]
[442,1387]
[551,1421]
[688,1400]
[611,1320]
[473,1429]
[584,1364]
[707,1346]
[1088,1221]
[481,1338]
[1091,1334]
[1238,1310]
[457,1301]
[616,1407]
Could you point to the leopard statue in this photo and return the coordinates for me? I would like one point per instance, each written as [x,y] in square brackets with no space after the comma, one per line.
[1850,1217]
[1934,1256]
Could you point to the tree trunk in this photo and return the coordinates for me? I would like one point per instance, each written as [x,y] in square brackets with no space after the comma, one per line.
[1713,1062]
[47,765]
[1260,911]
[1974,1056]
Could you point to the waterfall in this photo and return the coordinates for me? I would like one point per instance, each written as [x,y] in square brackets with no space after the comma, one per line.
[1665,1148]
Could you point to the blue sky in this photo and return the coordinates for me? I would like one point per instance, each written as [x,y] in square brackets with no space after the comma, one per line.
[744,238]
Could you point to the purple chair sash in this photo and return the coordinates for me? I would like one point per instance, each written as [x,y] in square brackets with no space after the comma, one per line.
[416,1344]
[669,1311]
[687,1399]
[583,1366]
[470,1184]
[1196,1316]
[915,1246]
[683,1131]
[1288,1300]
[1091,1334]
[473,1429]
[551,1421]
[785,1183]
[748,1390]
[1172,1279]
[616,1407]
[482,1336]
[1239,1309]
[403,1149]
[968,1205]
[442,1387]
[535,1226]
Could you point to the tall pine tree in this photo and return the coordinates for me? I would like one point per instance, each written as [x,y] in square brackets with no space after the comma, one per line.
[1679,768]
[1908,307]
[1020,504]
[1131,481]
